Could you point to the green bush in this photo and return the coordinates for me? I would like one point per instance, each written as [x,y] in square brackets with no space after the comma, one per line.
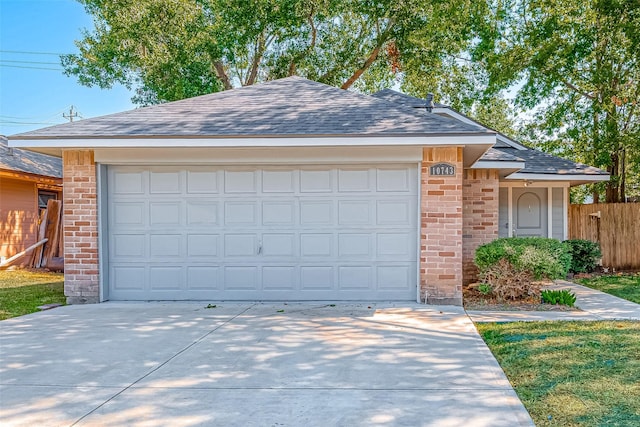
[558,297]
[584,255]
[543,258]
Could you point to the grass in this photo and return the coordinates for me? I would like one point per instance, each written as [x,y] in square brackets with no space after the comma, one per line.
[625,286]
[572,373]
[22,291]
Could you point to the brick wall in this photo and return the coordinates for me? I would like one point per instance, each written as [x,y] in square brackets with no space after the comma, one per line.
[441,229]
[80,227]
[480,190]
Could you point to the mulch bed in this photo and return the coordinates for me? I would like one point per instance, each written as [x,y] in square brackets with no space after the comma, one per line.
[475,300]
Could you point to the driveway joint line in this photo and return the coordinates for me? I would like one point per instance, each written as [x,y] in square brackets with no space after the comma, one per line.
[198,340]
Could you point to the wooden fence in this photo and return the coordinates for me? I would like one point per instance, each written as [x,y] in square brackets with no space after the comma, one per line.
[615,225]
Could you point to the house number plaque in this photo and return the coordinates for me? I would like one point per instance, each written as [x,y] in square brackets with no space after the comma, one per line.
[442,169]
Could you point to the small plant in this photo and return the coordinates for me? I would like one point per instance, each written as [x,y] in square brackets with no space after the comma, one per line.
[484,289]
[558,297]
[584,255]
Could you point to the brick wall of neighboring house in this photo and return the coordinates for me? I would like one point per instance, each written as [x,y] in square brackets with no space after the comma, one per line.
[81,283]
[441,229]
[480,190]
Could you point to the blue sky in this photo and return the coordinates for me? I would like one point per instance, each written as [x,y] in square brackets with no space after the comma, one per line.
[33,90]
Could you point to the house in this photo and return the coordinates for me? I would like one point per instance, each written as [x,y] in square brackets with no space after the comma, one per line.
[293,190]
[27,181]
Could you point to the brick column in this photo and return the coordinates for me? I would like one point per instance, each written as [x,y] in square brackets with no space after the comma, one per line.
[80,227]
[441,229]
[480,191]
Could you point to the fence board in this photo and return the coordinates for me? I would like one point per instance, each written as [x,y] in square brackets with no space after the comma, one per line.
[617,229]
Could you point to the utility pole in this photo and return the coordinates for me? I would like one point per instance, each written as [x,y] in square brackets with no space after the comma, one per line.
[71,114]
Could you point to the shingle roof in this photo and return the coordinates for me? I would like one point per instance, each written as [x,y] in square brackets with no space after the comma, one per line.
[542,163]
[496,155]
[403,99]
[286,107]
[17,160]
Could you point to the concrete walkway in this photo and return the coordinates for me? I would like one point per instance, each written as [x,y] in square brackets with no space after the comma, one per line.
[594,305]
[180,364]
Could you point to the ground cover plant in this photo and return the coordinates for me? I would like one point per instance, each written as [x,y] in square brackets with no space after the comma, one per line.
[571,373]
[22,291]
[625,286]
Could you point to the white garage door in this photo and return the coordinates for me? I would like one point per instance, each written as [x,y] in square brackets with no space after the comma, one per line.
[273,233]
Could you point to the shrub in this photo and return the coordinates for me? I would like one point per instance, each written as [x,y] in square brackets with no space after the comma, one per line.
[558,297]
[584,255]
[510,265]
[484,289]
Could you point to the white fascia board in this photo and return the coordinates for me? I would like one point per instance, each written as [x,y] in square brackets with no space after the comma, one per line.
[464,119]
[558,177]
[426,140]
[491,164]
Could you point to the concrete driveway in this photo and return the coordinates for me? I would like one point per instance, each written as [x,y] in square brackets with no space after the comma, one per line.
[181,364]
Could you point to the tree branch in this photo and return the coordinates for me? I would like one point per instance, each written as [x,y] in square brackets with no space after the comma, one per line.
[578,90]
[222,75]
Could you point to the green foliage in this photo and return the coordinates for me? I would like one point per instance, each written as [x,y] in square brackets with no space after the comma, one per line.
[169,50]
[544,258]
[558,297]
[484,289]
[578,62]
[584,255]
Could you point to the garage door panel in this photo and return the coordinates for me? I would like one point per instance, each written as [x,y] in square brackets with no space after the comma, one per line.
[240,213]
[165,182]
[395,212]
[354,212]
[316,181]
[126,246]
[203,278]
[202,212]
[164,213]
[202,182]
[240,245]
[279,277]
[166,278]
[128,182]
[128,278]
[350,180]
[241,278]
[278,213]
[315,232]
[165,245]
[355,245]
[316,245]
[128,214]
[278,181]
[354,277]
[240,181]
[316,212]
[203,245]
[316,277]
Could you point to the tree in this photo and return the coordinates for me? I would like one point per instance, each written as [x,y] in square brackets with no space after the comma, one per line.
[579,63]
[173,49]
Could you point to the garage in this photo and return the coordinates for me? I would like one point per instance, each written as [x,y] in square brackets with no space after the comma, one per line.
[306,232]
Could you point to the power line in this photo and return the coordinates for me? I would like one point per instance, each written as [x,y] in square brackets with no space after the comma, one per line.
[32,53]
[29,62]
[31,68]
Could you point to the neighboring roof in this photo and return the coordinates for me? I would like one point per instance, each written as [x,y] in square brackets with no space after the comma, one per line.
[286,107]
[17,160]
[403,99]
[537,162]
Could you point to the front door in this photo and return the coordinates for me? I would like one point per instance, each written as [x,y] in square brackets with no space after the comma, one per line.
[530,212]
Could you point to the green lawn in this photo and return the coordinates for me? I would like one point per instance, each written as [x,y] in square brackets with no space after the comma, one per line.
[572,373]
[625,286]
[22,291]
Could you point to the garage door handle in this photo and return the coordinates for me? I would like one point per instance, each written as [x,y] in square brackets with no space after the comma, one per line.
[259,248]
